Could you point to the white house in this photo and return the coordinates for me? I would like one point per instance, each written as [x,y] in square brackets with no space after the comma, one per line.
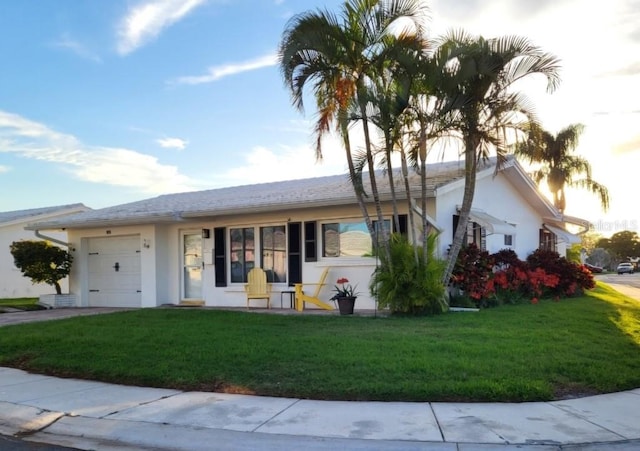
[197,247]
[12,228]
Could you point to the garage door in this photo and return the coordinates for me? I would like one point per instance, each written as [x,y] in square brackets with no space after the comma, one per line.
[114,272]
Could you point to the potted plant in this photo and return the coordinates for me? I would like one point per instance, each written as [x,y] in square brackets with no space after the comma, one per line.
[345,295]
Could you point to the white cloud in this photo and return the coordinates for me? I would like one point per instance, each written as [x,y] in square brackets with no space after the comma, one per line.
[145,21]
[265,164]
[4,169]
[66,42]
[215,73]
[108,165]
[172,143]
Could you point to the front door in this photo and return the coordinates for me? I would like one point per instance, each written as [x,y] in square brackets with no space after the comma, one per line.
[192,266]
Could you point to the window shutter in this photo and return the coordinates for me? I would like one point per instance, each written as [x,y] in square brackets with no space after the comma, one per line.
[219,256]
[295,253]
[541,239]
[456,219]
[310,242]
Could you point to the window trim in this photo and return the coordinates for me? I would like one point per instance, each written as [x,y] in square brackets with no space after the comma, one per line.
[245,271]
[270,271]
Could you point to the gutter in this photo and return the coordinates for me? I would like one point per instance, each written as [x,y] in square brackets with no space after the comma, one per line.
[50,238]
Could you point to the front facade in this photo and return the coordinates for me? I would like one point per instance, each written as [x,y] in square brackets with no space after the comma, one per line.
[12,228]
[197,248]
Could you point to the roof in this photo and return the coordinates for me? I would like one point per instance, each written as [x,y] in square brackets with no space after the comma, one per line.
[291,194]
[315,192]
[35,213]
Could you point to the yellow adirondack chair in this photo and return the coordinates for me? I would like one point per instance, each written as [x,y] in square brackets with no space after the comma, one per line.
[258,288]
[301,297]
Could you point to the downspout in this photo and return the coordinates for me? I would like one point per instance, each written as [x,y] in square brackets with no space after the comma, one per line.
[49,238]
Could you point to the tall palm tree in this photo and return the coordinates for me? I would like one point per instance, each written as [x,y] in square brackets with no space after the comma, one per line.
[389,97]
[339,56]
[478,81]
[558,167]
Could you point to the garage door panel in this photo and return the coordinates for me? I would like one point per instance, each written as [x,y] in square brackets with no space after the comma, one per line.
[114,270]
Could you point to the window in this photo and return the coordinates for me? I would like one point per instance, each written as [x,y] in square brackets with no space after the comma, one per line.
[547,241]
[475,233]
[274,253]
[508,240]
[310,242]
[349,239]
[242,253]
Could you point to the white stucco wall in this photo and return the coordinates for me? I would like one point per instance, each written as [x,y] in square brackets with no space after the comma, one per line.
[496,197]
[161,262]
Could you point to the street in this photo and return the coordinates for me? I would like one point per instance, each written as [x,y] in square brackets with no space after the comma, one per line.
[628,284]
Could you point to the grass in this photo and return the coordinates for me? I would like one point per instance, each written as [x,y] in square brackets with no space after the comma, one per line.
[19,304]
[547,351]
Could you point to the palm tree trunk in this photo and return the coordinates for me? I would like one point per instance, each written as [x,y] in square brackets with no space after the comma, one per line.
[470,169]
[356,179]
[422,151]
[394,200]
[374,186]
[407,187]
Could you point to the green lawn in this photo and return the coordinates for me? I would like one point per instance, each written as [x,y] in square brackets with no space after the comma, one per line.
[546,351]
[19,304]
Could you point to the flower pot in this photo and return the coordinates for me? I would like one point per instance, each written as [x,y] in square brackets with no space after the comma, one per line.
[345,304]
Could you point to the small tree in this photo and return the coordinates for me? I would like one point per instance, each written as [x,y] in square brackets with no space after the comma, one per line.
[42,262]
[600,257]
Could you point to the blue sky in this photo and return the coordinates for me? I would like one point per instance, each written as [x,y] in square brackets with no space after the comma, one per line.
[107,102]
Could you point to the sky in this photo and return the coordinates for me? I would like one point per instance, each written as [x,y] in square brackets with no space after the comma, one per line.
[109,102]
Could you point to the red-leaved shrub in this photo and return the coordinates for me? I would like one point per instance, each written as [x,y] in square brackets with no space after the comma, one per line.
[499,278]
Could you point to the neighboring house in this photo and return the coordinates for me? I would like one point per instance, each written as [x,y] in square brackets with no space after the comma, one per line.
[197,247]
[12,228]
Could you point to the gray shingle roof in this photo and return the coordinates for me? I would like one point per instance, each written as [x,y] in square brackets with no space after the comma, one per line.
[284,195]
[33,213]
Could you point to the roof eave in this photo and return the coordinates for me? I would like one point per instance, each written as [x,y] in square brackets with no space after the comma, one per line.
[95,223]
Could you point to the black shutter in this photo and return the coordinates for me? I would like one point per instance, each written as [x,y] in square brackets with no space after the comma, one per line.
[310,242]
[219,254]
[456,219]
[295,253]
[404,228]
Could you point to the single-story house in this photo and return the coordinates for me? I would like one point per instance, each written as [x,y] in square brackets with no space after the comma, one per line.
[198,247]
[12,228]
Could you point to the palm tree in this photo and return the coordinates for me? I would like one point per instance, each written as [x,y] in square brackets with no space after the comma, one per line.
[340,56]
[478,79]
[389,98]
[559,168]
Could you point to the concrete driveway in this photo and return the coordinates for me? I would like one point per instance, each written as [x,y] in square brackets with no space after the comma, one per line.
[47,315]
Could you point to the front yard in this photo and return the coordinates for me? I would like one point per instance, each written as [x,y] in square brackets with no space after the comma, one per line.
[529,352]
[24,304]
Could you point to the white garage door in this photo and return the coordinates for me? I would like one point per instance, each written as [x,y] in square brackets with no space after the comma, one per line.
[114,272]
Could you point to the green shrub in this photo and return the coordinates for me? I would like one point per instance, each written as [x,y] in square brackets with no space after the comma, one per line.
[407,283]
[42,262]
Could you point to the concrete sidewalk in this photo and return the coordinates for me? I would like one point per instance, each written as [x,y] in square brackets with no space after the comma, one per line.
[93,415]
